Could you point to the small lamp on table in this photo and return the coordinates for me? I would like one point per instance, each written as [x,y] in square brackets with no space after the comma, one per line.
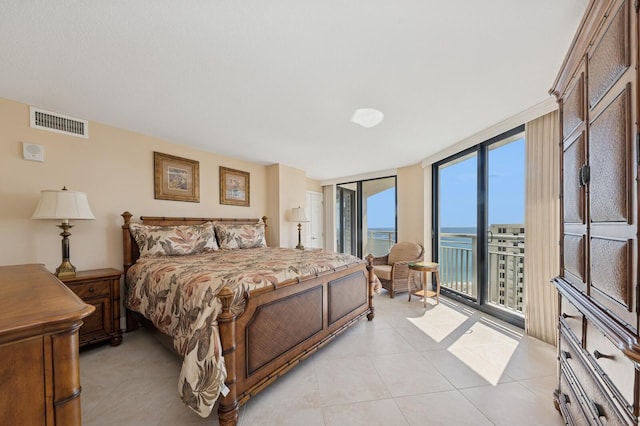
[63,204]
[298,215]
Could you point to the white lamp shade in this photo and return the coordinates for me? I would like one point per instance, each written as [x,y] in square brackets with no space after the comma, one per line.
[298,215]
[63,204]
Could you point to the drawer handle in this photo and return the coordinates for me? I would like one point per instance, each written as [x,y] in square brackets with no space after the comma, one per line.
[598,409]
[564,315]
[599,355]
[91,290]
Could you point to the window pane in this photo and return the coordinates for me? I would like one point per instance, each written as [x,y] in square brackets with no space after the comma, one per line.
[506,165]
[379,215]
[458,203]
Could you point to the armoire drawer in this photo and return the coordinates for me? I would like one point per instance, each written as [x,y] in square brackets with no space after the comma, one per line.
[602,409]
[571,406]
[571,317]
[618,369]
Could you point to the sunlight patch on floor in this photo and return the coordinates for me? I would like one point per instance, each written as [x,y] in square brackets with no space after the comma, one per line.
[485,350]
[481,343]
[439,322]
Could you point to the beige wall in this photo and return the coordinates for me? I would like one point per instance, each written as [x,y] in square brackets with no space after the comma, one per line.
[273,205]
[290,185]
[115,168]
[411,204]
[313,185]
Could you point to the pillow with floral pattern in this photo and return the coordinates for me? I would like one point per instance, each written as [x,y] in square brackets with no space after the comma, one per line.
[232,236]
[179,240]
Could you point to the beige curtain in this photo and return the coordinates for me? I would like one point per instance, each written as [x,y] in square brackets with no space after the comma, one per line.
[542,225]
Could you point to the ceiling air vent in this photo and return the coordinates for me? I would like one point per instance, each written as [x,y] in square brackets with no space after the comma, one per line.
[59,123]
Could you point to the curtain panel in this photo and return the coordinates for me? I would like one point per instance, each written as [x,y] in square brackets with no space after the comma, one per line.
[542,225]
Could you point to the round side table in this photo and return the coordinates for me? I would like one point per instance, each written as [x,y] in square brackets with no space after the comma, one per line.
[424,268]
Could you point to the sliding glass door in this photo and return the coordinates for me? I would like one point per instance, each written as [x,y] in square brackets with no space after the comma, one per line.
[479,225]
[366,216]
[458,225]
[505,242]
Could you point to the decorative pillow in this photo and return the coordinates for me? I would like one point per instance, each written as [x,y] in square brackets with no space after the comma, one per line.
[240,236]
[177,240]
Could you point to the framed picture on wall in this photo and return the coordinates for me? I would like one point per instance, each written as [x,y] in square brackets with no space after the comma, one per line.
[234,187]
[176,178]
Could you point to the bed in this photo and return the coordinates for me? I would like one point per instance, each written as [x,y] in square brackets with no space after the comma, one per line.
[239,314]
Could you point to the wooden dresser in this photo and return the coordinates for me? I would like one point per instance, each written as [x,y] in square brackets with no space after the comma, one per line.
[39,365]
[598,350]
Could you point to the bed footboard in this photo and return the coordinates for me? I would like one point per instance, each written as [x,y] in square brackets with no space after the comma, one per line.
[282,326]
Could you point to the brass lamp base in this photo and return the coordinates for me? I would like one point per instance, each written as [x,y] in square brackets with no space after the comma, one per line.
[66,269]
[299,246]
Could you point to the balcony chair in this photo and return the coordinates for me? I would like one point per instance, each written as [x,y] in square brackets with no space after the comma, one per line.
[393,269]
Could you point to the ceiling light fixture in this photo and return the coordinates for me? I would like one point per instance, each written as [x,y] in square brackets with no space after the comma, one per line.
[367,117]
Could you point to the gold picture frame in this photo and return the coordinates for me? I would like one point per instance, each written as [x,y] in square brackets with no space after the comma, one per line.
[234,187]
[176,178]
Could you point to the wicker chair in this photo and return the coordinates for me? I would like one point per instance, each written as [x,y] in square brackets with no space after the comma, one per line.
[393,269]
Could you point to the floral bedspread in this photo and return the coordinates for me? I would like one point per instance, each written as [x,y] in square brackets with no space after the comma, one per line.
[178,294]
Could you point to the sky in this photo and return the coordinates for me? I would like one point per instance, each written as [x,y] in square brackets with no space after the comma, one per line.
[458,182]
[458,199]
[381,212]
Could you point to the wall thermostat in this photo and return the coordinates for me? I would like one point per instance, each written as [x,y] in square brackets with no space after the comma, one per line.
[32,151]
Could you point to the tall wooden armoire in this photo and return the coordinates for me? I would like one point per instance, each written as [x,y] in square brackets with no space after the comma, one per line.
[598,349]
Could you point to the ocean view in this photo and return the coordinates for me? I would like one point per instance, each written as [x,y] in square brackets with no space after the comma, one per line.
[382,238]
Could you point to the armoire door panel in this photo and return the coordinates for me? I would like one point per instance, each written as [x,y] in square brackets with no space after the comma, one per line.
[610,267]
[574,158]
[574,259]
[609,162]
[609,58]
[573,108]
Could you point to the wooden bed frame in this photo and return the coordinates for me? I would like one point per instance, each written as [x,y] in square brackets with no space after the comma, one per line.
[326,305]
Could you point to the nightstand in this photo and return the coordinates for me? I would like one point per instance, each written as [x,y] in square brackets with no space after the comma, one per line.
[99,288]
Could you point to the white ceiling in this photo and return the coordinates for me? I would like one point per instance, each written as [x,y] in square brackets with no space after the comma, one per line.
[277,81]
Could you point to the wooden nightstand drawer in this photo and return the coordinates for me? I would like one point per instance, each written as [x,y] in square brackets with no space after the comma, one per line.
[101,289]
[91,289]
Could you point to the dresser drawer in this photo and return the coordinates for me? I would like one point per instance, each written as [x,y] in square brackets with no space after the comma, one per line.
[571,317]
[599,404]
[91,288]
[618,369]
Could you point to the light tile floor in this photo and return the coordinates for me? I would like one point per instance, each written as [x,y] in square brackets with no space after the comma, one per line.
[446,365]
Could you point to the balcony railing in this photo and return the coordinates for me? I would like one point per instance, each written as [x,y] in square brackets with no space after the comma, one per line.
[458,268]
[379,242]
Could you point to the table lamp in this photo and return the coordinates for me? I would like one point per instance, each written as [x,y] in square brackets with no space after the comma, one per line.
[63,204]
[298,215]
